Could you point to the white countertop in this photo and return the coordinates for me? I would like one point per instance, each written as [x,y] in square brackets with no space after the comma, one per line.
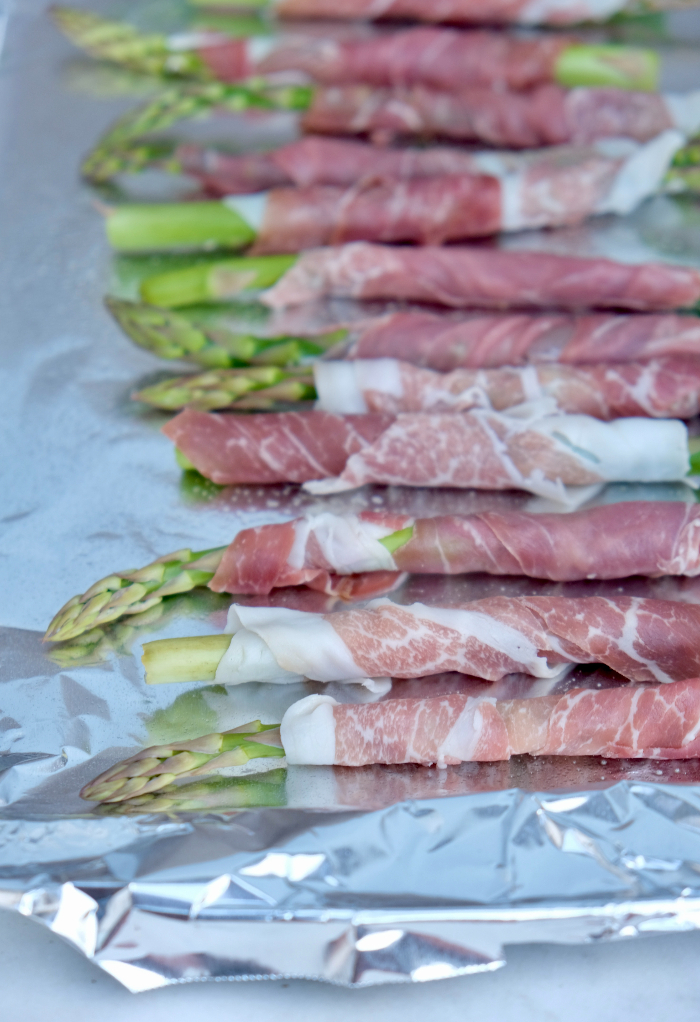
[654,979]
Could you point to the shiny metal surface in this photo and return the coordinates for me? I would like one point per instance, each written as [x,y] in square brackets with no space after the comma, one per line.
[351,876]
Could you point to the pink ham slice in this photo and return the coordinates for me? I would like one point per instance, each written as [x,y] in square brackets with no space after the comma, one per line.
[635,722]
[455,11]
[442,58]
[284,447]
[663,388]
[612,541]
[641,639]
[472,340]
[547,115]
[426,211]
[489,278]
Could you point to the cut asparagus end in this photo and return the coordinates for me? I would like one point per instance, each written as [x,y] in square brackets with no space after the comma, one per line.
[684,173]
[154,768]
[194,658]
[397,539]
[132,592]
[209,282]
[620,67]
[177,226]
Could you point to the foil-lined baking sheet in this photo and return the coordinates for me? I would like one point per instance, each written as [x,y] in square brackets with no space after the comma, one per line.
[380,874]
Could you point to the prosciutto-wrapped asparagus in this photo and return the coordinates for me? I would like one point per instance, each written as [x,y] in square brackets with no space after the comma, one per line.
[533,450]
[634,722]
[640,722]
[662,388]
[546,115]
[458,277]
[642,639]
[525,12]
[443,58]
[321,160]
[611,541]
[448,341]
[427,210]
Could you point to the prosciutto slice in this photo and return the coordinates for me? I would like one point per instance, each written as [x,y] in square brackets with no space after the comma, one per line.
[611,541]
[317,160]
[546,115]
[489,278]
[443,58]
[642,639]
[452,207]
[535,451]
[528,12]
[275,447]
[448,341]
[662,388]
[634,722]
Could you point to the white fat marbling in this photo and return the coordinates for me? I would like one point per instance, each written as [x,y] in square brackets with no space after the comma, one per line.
[634,450]
[249,658]
[349,544]
[684,108]
[462,741]
[642,173]
[498,635]
[341,386]
[302,644]
[250,208]
[540,12]
[308,731]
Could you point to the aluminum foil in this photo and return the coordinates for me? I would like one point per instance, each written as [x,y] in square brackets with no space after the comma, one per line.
[352,876]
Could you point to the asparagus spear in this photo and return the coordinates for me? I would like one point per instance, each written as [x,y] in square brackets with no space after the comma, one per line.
[208,338]
[157,767]
[251,389]
[616,66]
[122,150]
[215,282]
[215,794]
[131,592]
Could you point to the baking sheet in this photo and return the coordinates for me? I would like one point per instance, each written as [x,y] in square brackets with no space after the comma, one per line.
[353,876]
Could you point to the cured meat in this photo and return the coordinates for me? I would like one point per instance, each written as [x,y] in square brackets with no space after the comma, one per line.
[284,447]
[543,12]
[449,341]
[612,541]
[642,639]
[427,211]
[318,160]
[452,207]
[546,115]
[633,722]
[442,58]
[539,452]
[490,278]
[662,388]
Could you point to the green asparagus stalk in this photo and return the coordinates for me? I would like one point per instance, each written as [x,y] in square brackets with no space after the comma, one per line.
[122,149]
[250,389]
[215,282]
[621,67]
[157,767]
[684,173]
[213,794]
[120,43]
[207,337]
[132,592]
[177,226]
